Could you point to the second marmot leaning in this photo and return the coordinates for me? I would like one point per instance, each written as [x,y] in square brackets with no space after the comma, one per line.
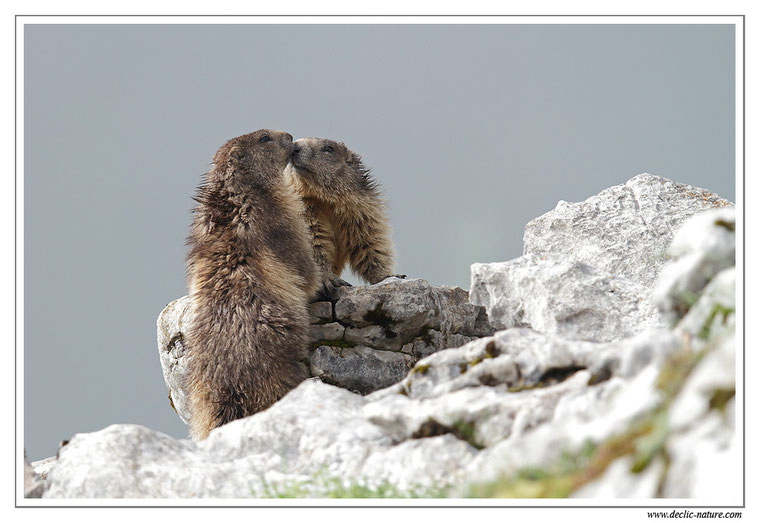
[344,211]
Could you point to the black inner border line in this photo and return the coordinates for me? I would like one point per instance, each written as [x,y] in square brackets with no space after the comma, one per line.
[744,253]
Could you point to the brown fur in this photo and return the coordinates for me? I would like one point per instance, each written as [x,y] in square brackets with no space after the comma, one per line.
[344,211]
[250,273]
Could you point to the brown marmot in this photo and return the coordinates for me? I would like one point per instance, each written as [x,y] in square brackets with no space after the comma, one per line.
[344,211]
[250,274]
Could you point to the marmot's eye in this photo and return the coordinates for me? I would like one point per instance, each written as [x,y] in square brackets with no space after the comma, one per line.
[327,148]
[265,139]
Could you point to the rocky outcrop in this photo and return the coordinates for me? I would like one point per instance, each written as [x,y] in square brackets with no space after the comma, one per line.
[703,247]
[365,340]
[588,268]
[34,484]
[624,230]
[522,412]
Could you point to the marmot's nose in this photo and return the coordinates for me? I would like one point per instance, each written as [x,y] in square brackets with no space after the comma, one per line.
[297,147]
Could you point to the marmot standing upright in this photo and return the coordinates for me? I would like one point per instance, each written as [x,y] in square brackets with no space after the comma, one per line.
[250,274]
[344,211]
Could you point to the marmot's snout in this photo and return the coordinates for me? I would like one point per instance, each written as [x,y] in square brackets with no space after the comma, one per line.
[301,152]
[300,145]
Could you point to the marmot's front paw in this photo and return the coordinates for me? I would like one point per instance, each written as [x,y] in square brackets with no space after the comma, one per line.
[330,286]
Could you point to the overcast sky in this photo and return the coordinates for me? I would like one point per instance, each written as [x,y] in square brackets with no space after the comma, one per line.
[472,131]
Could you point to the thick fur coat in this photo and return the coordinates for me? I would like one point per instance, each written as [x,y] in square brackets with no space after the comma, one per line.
[250,274]
[344,210]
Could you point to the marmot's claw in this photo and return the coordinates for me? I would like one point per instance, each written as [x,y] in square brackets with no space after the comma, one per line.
[330,286]
[337,282]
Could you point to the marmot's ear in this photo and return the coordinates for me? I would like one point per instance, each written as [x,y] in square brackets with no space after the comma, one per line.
[234,155]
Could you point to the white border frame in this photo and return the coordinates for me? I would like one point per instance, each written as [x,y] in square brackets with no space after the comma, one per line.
[21,21]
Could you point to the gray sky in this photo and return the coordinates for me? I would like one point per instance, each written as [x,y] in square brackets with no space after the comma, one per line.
[471,130]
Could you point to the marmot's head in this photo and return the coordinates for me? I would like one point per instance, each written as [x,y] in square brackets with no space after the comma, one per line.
[258,158]
[327,169]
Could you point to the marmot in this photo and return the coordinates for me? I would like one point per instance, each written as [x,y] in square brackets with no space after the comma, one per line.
[344,211]
[250,274]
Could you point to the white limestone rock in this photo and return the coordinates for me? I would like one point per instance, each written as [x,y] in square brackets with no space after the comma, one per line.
[702,247]
[624,230]
[561,296]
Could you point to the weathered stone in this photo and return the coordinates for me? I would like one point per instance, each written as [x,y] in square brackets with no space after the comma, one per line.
[482,415]
[173,354]
[405,308]
[312,436]
[43,466]
[375,336]
[418,466]
[715,310]
[701,248]
[581,415]
[359,369]
[561,296]
[34,486]
[618,482]
[321,312]
[708,445]
[438,317]
[522,358]
[624,230]
[326,332]
[433,341]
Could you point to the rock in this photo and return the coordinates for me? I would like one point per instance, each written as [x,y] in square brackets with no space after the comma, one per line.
[674,386]
[377,336]
[327,332]
[618,482]
[43,466]
[701,248]
[588,268]
[304,443]
[419,466]
[561,296]
[321,312]
[715,310]
[523,358]
[513,381]
[433,341]
[708,445]
[359,369]
[624,230]
[34,486]
[584,392]
[173,353]
[408,317]
[405,309]
[481,415]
